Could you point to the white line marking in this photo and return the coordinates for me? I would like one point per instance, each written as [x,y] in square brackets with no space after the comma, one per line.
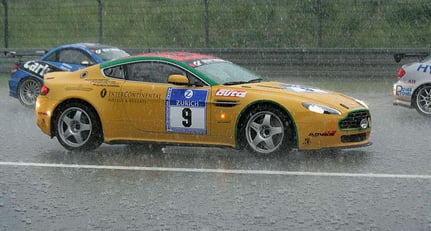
[225,171]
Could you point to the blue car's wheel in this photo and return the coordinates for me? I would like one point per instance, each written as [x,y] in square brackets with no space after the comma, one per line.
[28,90]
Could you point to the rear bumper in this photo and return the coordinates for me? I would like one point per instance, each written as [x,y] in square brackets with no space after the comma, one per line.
[402,103]
[402,94]
[44,111]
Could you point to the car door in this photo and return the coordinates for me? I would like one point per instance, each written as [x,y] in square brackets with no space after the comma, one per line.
[154,105]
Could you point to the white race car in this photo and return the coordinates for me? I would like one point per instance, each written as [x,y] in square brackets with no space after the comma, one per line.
[413,89]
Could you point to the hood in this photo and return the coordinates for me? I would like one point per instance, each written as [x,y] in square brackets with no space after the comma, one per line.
[309,94]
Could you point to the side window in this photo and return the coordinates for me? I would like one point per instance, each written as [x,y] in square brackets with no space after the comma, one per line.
[52,57]
[114,72]
[74,56]
[154,72]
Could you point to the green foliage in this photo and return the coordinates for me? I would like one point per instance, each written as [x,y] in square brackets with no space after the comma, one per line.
[239,24]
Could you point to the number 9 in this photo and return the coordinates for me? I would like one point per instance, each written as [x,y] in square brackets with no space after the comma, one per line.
[187,115]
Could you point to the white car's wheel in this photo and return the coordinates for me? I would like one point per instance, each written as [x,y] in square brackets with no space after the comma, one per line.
[422,100]
[28,91]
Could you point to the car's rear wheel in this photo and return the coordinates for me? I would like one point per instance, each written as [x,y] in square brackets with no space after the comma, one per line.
[422,100]
[266,130]
[78,127]
[28,90]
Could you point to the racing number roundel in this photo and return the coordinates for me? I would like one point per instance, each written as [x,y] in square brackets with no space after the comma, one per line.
[186,111]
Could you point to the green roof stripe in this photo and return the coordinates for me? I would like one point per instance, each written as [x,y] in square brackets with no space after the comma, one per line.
[133,59]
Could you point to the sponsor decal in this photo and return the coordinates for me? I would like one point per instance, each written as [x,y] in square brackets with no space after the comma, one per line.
[77,88]
[188,94]
[200,62]
[103,82]
[104,50]
[231,93]
[128,96]
[327,133]
[186,111]
[401,91]
[103,93]
[37,68]
[302,89]
[424,68]
[307,141]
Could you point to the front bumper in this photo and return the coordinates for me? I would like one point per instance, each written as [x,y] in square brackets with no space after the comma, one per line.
[352,130]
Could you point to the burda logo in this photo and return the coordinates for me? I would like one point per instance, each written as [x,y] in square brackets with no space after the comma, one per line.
[231,93]
[37,68]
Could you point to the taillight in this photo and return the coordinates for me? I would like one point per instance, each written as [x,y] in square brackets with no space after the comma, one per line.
[14,69]
[44,90]
[401,73]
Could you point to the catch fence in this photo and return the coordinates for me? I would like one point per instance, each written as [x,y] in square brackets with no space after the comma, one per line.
[217,23]
[285,64]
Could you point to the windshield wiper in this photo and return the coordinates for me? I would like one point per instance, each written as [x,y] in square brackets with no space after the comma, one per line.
[243,82]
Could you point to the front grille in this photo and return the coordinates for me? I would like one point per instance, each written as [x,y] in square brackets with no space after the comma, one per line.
[353,120]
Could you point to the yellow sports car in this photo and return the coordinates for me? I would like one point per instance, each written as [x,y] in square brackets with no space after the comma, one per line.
[188,98]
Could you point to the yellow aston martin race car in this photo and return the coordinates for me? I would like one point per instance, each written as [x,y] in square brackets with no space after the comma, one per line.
[188,98]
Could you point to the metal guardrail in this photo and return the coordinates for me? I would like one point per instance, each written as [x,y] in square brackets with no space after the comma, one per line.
[288,63]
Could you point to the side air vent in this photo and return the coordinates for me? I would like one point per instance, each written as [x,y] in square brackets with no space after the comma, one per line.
[221,103]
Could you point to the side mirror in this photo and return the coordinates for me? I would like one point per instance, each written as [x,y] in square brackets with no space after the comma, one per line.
[178,80]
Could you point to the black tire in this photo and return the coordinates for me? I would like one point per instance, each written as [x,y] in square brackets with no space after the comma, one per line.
[28,91]
[422,100]
[266,130]
[78,127]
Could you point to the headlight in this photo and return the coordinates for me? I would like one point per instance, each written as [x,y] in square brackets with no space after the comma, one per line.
[321,109]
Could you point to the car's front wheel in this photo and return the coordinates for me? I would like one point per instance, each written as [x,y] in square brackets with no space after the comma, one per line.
[266,130]
[28,90]
[422,100]
[78,127]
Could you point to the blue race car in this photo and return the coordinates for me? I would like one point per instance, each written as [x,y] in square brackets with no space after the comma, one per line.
[27,78]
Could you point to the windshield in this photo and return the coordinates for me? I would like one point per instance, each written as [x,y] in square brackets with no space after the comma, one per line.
[107,54]
[228,73]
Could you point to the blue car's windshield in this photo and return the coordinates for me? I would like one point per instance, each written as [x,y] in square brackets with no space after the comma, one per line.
[107,54]
[228,73]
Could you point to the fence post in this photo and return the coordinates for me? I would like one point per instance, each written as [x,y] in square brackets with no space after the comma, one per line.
[206,24]
[319,23]
[6,24]
[100,10]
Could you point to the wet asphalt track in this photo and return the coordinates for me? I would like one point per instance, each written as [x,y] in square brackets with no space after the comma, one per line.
[386,186]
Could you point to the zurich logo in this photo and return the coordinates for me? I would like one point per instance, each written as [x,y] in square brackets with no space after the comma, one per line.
[188,94]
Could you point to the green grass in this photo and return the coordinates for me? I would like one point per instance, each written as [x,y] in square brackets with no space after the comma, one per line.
[238,24]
